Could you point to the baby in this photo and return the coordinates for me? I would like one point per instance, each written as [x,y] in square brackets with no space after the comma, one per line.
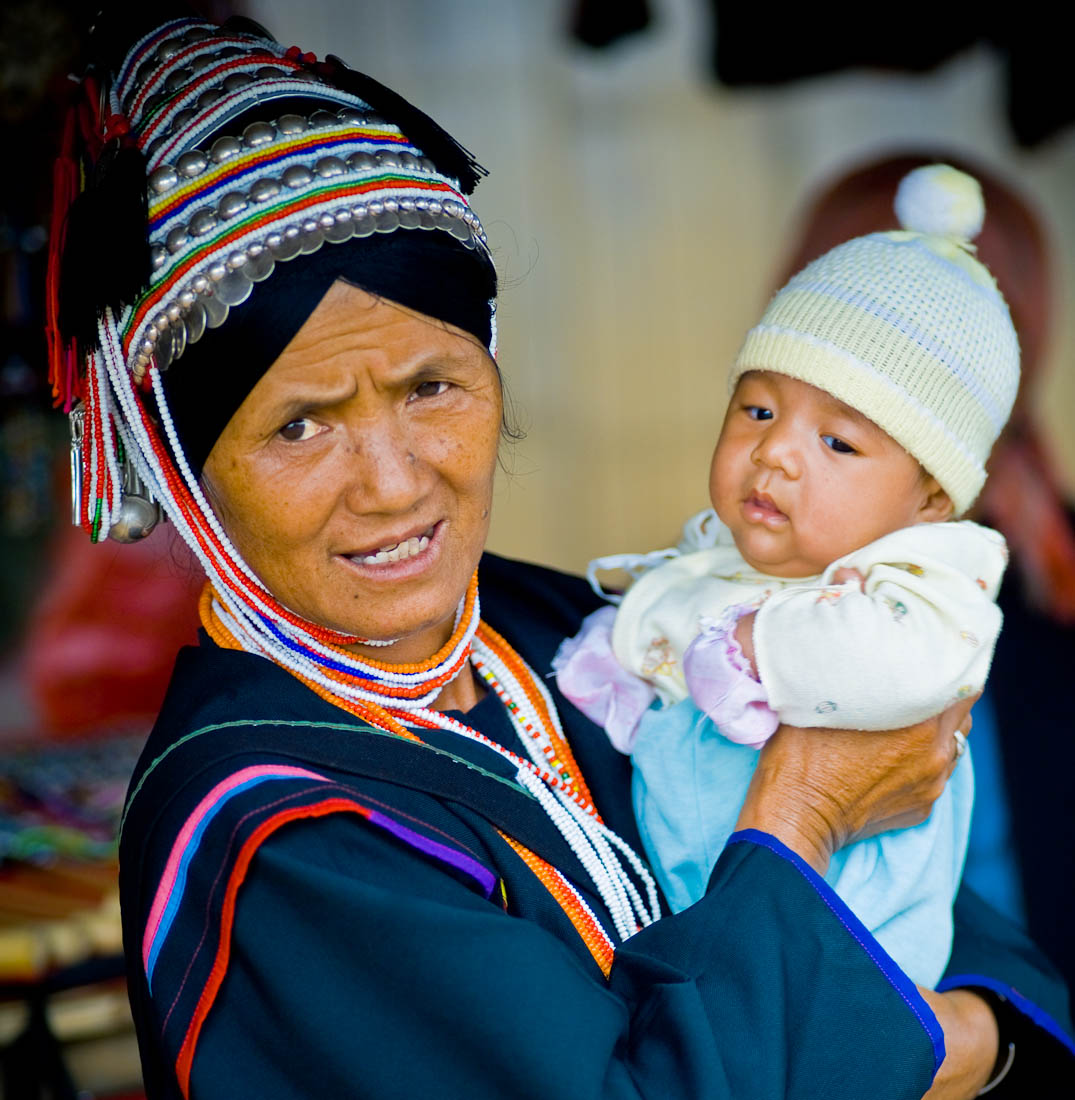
[829,585]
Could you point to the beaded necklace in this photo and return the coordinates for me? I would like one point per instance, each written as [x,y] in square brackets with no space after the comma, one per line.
[240,613]
[551,773]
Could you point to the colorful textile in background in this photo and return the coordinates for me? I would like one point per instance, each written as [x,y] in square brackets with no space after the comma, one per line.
[60,806]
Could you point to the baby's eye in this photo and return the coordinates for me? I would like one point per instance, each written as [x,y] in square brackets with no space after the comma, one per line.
[759,412]
[295,431]
[838,445]
[430,389]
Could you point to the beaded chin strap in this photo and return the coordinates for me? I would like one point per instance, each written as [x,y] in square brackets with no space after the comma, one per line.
[223,211]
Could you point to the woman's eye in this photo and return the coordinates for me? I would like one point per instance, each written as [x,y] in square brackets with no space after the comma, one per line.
[430,389]
[295,431]
[759,412]
[838,445]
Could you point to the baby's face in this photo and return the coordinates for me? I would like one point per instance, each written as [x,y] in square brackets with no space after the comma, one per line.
[801,479]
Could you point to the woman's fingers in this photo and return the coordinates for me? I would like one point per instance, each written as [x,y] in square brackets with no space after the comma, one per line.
[956,722]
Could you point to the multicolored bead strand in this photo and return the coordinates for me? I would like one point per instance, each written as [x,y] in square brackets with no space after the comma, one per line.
[562,793]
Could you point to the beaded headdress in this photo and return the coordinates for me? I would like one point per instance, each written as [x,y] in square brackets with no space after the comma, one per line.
[222,154]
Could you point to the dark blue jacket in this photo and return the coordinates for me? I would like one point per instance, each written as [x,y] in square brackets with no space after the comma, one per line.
[315,908]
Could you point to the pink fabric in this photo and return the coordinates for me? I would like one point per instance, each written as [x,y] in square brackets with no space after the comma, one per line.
[588,673]
[721,684]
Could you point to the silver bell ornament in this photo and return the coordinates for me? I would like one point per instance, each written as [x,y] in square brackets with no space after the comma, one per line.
[136,518]
[138,512]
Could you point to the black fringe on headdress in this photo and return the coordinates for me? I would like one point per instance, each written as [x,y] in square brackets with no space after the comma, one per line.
[451,158]
[106,256]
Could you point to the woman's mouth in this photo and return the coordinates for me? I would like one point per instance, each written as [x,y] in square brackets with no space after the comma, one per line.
[409,548]
[402,550]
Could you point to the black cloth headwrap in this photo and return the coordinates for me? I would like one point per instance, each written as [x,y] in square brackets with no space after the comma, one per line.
[429,272]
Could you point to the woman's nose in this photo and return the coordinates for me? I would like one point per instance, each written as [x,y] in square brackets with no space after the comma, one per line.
[385,475]
[778,449]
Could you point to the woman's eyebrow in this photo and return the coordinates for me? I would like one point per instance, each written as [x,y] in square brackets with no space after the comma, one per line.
[424,372]
[310,399]
[442,366]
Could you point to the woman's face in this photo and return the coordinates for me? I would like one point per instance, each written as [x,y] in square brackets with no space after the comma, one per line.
[357,476]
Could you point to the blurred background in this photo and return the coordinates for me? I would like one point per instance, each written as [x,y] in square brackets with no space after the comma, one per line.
[651,164]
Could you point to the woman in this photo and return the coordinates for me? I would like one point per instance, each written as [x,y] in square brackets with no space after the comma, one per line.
[368,850]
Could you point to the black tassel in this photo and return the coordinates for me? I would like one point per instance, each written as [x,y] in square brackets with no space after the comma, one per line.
[111,27]
[106,258]
[451,158]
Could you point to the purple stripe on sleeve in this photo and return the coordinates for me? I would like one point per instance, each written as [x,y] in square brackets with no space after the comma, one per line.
[485,878]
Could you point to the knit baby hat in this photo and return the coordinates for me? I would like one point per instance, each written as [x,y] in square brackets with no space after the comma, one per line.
[908,328]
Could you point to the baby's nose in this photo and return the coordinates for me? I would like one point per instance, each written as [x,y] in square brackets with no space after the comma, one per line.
[778,449]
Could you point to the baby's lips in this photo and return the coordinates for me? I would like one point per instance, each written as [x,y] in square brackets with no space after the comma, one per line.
[764,504]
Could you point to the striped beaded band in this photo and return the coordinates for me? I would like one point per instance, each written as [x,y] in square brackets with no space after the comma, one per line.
[222,216]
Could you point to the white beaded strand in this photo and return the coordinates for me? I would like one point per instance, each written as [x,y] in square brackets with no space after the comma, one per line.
[536,740]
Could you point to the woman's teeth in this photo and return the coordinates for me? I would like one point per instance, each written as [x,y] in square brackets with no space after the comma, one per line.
[409,548]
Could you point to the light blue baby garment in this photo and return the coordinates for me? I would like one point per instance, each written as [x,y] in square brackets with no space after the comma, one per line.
[689,785]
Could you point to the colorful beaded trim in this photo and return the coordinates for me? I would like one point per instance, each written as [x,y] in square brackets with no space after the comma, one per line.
[551,774]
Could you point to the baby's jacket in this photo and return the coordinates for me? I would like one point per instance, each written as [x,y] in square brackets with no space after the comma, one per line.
[914,637]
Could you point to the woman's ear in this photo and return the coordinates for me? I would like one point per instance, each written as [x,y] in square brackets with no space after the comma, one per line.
[936,506]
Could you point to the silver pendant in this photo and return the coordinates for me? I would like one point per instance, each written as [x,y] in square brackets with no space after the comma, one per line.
[76,419]
[136,518]
[138,512]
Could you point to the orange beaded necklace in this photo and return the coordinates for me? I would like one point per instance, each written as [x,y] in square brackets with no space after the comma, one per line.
[551,774]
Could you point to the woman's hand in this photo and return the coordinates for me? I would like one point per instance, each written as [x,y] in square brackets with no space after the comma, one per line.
[817,790]
[970,1041]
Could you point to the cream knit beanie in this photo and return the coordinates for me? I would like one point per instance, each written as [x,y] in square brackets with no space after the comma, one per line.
[908,328]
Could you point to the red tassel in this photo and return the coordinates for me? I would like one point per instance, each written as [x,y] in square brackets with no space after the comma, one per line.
[65,187]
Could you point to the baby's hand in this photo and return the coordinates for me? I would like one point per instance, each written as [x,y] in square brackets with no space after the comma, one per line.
[744,635]
[845,573]
[718,669]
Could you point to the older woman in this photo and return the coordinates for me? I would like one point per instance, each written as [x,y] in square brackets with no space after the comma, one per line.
[369,850]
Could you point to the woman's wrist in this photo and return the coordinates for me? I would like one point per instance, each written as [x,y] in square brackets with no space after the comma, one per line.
[772,806]
[972,1042]
[1001,1068]
[1001,1009]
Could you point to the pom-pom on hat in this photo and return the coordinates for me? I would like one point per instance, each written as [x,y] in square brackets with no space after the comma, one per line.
[907,327]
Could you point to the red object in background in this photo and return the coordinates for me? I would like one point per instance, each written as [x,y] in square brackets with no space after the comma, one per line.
[102,639]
